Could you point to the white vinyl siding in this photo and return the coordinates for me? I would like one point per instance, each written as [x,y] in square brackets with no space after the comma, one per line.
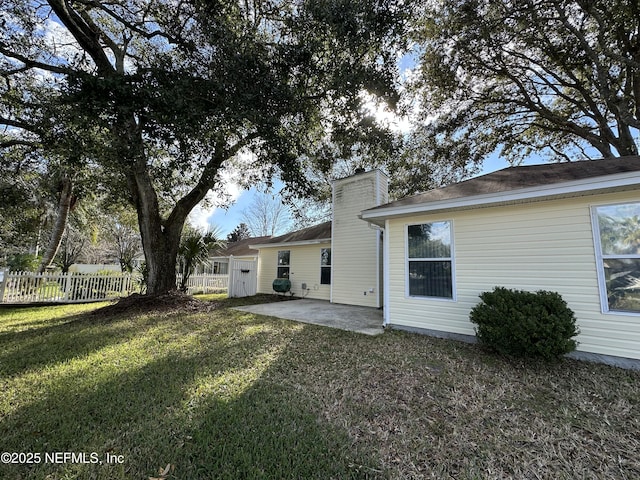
[536,246]
[304,268]
[356,248]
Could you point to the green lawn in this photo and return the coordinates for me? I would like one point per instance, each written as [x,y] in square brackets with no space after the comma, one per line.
[226,394]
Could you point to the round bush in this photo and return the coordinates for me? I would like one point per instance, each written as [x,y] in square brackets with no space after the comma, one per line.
[525,324]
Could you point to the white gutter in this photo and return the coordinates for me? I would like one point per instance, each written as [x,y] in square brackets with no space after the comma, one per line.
[623,181]
[385,275]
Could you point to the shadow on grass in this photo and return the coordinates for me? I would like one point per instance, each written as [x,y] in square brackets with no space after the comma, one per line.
[41,343]
[205,398]
[79,335]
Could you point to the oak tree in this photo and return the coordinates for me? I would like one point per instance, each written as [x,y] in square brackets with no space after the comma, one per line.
[175,91]
[554,77]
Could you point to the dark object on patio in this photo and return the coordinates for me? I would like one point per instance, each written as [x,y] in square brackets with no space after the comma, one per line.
[281,285]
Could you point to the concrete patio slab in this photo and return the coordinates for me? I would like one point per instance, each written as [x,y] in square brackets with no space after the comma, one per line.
[365,320]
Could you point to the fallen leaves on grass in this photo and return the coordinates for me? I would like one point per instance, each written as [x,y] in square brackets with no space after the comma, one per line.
[439,409]
[163,472]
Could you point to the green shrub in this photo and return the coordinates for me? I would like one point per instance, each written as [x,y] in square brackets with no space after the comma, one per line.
[23,262]
[525,324]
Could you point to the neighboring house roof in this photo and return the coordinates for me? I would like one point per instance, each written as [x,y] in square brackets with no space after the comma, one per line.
[241,248]
[520,184]
[307,236]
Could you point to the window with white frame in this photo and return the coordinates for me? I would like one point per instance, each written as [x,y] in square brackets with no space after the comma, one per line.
[284,261]
[325,266]
[617,229]
[430,260]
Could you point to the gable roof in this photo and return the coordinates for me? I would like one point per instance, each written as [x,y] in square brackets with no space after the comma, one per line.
[520,184]
[240,248]
[307,236]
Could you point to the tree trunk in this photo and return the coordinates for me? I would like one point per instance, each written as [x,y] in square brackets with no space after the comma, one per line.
[62,214]
[161,265]
[161,238]
[159,242]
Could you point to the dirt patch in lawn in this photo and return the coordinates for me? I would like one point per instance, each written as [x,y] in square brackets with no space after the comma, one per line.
[166,303]
[175,301]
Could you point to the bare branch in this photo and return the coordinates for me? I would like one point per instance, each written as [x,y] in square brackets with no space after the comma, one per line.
[85,35]
[30,64]
[134,27]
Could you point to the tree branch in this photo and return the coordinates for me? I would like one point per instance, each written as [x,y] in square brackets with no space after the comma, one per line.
[15,123]
[207,180]
[29,64]
[17,142]
[85,35]
[134,27]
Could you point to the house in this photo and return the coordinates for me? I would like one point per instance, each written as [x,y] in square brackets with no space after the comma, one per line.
[340,260]
[573,228]
[218,262]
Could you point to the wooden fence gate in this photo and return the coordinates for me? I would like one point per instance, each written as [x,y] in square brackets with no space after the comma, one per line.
[243,278]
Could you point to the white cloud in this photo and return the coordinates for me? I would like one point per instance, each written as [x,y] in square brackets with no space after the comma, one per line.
[60,41]
[227,192]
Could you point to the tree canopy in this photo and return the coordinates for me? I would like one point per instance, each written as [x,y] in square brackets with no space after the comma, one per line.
[241,232]
[162,96]
[558,77]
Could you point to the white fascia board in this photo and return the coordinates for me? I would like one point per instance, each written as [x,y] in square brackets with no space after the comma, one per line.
[291,244]
[543,192]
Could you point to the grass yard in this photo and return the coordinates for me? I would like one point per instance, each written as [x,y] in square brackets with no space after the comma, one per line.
[225,394]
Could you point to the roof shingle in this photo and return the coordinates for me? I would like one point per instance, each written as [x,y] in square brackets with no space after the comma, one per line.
[514,178]
[315,233]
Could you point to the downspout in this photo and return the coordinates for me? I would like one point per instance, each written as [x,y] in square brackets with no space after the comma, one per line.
[379,284]
[333,218]
[385,275]
[379,232]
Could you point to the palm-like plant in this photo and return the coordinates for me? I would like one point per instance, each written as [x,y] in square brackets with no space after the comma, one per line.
[195,248]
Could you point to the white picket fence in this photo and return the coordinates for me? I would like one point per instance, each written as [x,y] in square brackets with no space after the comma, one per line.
[208,283]
[29,287]
[241,281]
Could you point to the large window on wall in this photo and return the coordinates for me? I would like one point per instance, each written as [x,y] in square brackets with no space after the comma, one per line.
[430,260]
[284,262]
[325,266]
[617,229]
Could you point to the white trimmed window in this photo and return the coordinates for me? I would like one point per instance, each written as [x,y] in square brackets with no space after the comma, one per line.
[325,266]
[284,262]
[430,260]
[617,232]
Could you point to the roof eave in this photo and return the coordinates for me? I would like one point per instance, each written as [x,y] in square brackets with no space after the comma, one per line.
[291,244]
[602,184]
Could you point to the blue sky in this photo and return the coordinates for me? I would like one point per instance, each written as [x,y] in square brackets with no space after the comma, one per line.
[227,220]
